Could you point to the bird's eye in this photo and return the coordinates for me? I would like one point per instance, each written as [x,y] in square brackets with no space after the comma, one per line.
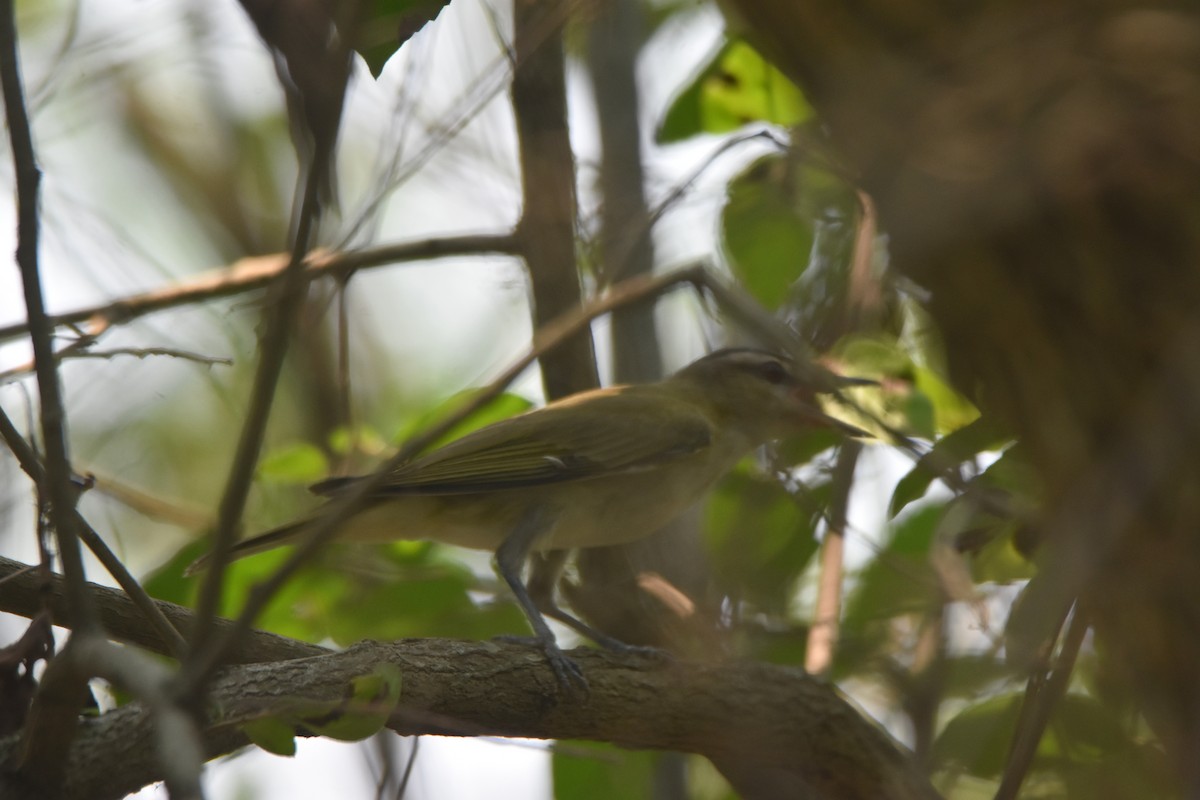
[773,372]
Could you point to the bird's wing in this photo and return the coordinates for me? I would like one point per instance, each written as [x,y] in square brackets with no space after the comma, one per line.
[626,431]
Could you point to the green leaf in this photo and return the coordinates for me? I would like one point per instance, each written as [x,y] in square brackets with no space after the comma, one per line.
[978,738]
[271,734]
[373,698]
[767,238]
[737,87]
[952,449]
[902,580]
[951,410]
[502,407]
[761,539]
[302,463]
[999,560]
[606,772]
[391,23]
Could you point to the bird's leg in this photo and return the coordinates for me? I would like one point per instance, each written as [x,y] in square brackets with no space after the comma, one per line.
[543,579]
[510,559]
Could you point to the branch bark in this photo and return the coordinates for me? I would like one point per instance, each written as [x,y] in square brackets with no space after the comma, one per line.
[773,719]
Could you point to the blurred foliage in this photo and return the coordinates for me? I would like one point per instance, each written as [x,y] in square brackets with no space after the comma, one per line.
[592,771]
[735,88]
[391,23]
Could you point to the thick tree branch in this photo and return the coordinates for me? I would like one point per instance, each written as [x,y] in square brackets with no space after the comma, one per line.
[778,719]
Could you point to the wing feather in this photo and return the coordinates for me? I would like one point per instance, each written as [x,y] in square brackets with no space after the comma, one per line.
[624,430]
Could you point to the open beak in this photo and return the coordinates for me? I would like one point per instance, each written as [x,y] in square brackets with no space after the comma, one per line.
[812,414]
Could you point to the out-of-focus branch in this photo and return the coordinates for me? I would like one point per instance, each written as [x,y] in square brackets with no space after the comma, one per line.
[29,462]
[23,591]
[312,43]
[1041,696]
[54,715]
[546,229]
[57,484]
[823,635]
[257,272]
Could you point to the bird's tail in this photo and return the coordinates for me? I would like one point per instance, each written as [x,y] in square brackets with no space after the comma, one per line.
[255,544]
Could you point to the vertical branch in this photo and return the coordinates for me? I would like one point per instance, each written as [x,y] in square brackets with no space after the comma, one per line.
[626,247]
[53,416]
[547,227]
[317,58]
[608,594]
[822,636]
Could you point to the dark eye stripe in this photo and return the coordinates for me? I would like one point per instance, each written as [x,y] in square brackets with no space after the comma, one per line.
[773,372]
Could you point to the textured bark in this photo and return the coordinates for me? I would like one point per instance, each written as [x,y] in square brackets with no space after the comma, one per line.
[768,719]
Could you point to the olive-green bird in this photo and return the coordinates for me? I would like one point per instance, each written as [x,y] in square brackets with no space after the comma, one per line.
[601,467]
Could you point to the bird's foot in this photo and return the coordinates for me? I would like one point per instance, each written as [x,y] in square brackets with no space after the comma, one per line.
[567,671]
[642,650]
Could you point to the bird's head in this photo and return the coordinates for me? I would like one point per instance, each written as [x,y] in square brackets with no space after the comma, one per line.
[760,393]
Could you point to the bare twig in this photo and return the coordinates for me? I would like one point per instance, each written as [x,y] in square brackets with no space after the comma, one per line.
[54,718]
[1041,696]
[24,592]
[273,348]
[57,485]
[74,352]
[29,462]
[823,635]
[257,272]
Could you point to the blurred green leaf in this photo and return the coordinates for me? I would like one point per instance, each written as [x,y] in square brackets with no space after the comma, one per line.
[900,580]
[502,407]
[999,560]
[391,23]
[167,582]
[301,462]
[952,449]
[736,88]
[767,238]
[760,538]
[978,738]
[1081,744]
[609,772]
[364,712]
[271,734]
[951,410]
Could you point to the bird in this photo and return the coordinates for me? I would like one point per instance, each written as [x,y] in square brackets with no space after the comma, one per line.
[600,467]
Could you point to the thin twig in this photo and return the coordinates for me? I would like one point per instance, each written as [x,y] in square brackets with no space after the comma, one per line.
[53,720]
[273,348]
[257,272]
[1042,695]
[57,484]
[26,593]
[29,462]
[823,635]
[73,352]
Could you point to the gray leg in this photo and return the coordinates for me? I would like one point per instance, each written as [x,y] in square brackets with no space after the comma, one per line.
[543,580]
[510,559]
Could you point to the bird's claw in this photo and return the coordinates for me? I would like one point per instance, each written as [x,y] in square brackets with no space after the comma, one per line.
[567,671]
[641,650]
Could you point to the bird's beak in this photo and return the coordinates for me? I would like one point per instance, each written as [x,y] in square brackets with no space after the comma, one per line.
[811,414]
